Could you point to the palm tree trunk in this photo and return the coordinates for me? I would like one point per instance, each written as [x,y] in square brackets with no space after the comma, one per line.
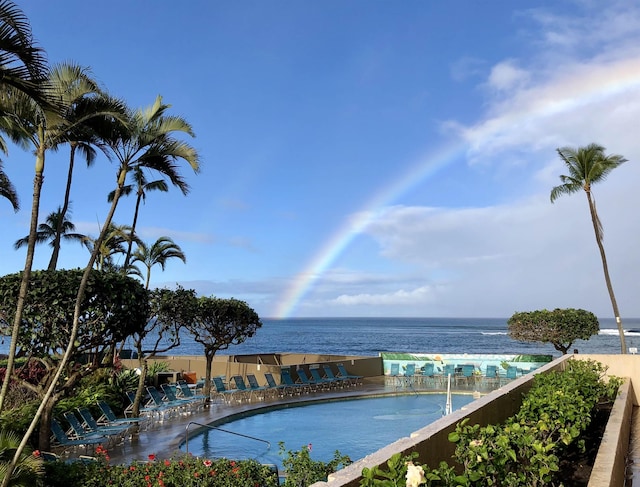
[26,275]
[53,263]
[72,338]
[133,232]
[605,268]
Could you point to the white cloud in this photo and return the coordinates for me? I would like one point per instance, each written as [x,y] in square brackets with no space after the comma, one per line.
[507,76]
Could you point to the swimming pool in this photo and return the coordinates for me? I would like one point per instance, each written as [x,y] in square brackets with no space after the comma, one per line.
[355,427]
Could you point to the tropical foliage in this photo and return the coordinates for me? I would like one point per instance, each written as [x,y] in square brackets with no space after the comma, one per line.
[587,166]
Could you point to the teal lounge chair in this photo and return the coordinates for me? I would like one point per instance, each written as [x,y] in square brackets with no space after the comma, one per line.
[342,372]
[256,388]
[327,381]
[242,387]
[314,386]
[91,424]
[187,392]
[296,388]
[280,389]
[345,381]
[109,417]
[72,443]
[227,395]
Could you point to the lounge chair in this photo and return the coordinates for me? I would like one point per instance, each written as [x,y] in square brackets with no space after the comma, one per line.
[66,442]
[109,417]
[409,375]
[257,388]
[491,375]
[342,372]
[146,406]
[163,405]
[468,374]
[280,389]
[295,388]
[313,385]
[187,392]
[91,424]
[241,386]
[345,381]
[185,402]
[227,395]
[327,381]
[78,431]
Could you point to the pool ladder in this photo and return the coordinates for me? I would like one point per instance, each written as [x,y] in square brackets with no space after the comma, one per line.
[186,434]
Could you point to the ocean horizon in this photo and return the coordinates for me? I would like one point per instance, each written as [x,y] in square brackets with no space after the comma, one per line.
[370,336]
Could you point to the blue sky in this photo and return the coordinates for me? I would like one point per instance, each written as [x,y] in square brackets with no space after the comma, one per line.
[366,158]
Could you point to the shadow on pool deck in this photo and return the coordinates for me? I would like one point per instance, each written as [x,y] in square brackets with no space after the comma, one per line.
[164,439]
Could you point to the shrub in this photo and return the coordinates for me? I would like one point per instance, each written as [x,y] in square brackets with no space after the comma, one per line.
[523,451]
[182,471]
[301,470]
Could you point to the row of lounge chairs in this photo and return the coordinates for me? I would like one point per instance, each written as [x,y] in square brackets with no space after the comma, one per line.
[86,431]
[168,401]
[465,373]
[288,386]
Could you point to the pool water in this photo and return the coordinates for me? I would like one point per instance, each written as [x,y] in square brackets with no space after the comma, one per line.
[355,427]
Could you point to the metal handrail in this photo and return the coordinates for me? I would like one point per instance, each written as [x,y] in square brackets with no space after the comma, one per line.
[186,434]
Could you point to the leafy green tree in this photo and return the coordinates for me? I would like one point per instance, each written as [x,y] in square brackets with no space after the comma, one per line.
[49,230]
[587,166]
[560,327]
[220,323]
[170,310]
[114,307]
[162,250]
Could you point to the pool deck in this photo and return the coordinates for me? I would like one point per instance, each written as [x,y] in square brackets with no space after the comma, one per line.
[163,439]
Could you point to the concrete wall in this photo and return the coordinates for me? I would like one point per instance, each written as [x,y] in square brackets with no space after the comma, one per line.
[230,365]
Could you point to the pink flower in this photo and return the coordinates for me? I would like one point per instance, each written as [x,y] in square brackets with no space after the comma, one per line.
[207,463]
[152,457]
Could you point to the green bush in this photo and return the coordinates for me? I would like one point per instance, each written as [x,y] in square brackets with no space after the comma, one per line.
[524,450]
[182,471]
[301,470]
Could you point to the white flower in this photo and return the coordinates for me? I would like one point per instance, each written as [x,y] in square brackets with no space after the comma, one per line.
[415,475]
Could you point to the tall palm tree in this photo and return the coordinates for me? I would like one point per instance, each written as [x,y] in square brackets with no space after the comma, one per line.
[162,250]
[48,231]
[43,126]
[96,111]
[587,166]
[142,186]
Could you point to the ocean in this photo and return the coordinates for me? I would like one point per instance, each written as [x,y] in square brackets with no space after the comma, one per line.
[370,336]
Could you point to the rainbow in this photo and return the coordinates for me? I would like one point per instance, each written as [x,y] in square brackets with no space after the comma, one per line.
[352,227]
[601,83]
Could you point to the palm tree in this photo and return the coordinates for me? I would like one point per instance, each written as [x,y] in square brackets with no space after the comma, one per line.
[589,165]
[43,126]
[23,65]
[142,185]
[48,231]
[7,190]
[111,245]
[162,250]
